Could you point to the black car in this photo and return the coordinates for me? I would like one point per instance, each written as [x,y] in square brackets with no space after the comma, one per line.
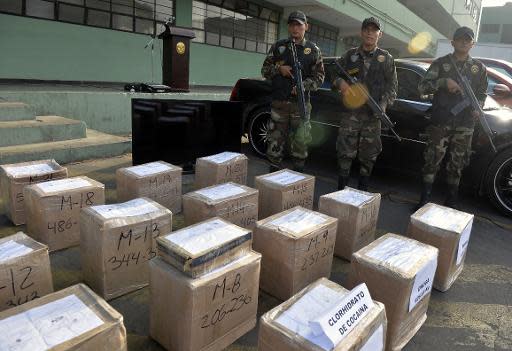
[488,173]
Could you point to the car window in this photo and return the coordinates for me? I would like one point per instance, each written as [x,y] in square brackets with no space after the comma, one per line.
[500,69]
[408,81]
[492,84]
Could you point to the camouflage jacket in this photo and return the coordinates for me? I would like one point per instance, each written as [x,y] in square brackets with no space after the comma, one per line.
[435,80]
[309,56]
[375,69]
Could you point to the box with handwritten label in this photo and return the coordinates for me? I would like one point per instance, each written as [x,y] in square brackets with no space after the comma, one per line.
[53,209]
[357,213]
[399,272]
[116,243]
[283,190]
[221,168]
[71,319]
[233,202]
[14,177]
[209,311]
[297,248]
[25,272]
[447,229]
[325,316]
[205,246]
[159,181]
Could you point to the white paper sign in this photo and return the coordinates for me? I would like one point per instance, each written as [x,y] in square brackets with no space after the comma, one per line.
[47,326]
[205,236]
[309,307]
[375,342]
[348,196]
[222,157]
[423,283]
[298,221]
[130,208]
[25,171]
[463,242]
[397,253]
[285,178]
[63,184]
[340,320]
[11,249]
[220,192]
[149,169]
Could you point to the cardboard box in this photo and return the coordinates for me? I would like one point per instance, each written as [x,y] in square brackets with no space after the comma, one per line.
[53,209]
[159,181]
[297,248]
[447,229]
[399,272]
[14,177]
[235,203]
[205,313]
[282,190]
[116,243]
[357,213]
[221,168]
[25,272]
[203,247]
[71,319]
[290,326]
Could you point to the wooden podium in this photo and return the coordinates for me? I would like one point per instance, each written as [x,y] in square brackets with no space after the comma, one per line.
[176,57]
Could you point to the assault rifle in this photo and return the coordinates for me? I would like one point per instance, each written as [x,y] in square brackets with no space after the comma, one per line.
[471,100]
[297,77]
[374,106]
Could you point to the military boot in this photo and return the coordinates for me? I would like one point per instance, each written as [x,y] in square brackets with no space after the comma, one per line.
[452,197]
[342,182]
[426,195]
[363,183]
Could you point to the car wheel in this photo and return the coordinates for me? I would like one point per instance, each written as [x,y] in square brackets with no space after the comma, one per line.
[499,181]
[258,130]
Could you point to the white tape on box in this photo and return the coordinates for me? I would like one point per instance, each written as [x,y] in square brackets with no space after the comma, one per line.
[11,249]
[348,196]
[25,171]
[149,169]
[222,157]
[397,253]
[285,178]
[130,208]
[63,184]
[220,192]
[47,326]
[298,221]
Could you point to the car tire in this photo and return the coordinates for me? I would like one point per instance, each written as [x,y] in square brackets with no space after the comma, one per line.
[258,129]
[498,181]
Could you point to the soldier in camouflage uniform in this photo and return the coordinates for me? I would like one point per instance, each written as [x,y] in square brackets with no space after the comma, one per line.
[449,132]
[360,130]
[287,131]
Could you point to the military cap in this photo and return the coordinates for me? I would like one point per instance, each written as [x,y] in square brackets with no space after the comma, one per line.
[297,16]
[371,20]
[462,32]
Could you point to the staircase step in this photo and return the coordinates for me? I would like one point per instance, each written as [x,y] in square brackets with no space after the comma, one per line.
[15,111]
[39,130]
[95,145]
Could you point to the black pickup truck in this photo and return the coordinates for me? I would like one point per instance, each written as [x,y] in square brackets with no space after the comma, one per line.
[489,173]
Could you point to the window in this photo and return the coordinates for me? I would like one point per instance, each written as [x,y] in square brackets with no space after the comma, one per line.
[408,81]
[324,37]
[236,24]
[141,16]
[490,28]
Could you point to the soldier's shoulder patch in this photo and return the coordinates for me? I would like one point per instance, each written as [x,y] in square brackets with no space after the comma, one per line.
[281,49]
[447,67]
[475,69]
[307,51]
[381,58]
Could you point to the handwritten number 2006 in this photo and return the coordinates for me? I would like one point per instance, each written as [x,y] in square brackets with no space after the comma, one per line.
[220,313]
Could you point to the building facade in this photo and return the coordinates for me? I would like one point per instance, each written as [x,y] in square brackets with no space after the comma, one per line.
[114,40]
[496,24]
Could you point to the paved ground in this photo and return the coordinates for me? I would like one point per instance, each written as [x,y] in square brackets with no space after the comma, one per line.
[476,314]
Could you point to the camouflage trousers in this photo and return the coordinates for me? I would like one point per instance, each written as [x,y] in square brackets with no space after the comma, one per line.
[454,139]
[288,133]
[358,136]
